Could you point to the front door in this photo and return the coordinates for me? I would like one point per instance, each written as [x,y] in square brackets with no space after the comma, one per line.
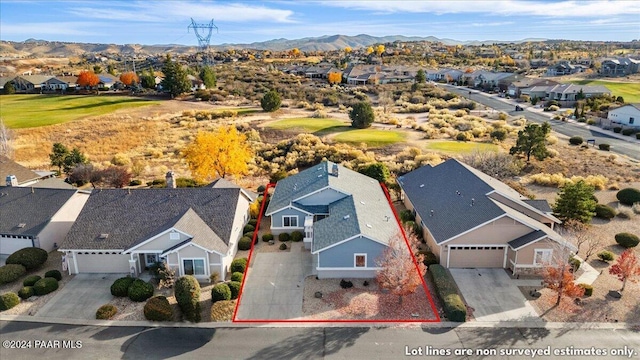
[150,259]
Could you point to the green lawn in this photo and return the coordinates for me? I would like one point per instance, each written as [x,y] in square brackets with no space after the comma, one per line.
[459,147]
[372,137]
[311,125]
[24,111]
[629,91]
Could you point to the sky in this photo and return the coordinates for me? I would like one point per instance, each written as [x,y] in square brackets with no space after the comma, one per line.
[166,22]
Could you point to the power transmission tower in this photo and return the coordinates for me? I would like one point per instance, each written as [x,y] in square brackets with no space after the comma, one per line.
[203,33]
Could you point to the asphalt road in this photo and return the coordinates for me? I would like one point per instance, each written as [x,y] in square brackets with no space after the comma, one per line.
[304,343]
[629,149]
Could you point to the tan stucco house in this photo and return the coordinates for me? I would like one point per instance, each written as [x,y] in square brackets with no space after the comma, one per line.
[194,230]
[472,220]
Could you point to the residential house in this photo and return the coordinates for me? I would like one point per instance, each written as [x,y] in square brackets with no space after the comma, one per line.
[563,68]
[36,217]
[538,63]
[17,175]
[107,81]
[516,87]
[194,230]
[4,80]
[619,66]
[538,91]
[493,80]
[627,115]
[345,217]
[60,83]
[30,83]
[569,92]
[472,220]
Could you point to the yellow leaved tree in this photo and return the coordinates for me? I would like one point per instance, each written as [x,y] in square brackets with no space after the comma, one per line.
[379,49]
[369,50]
[222,152]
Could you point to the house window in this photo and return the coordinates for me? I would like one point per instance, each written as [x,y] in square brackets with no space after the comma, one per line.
[360,260]
[542,256]
[174,236]
[631,120]
[193,266]
[289,221]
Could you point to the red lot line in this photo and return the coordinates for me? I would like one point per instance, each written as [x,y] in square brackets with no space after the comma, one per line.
[415,263]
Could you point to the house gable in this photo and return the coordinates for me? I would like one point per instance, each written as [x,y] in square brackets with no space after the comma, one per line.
[161,242]
[342,255]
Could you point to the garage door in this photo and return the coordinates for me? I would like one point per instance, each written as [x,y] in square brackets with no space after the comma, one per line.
[9,246]
[476,257]
[102,263]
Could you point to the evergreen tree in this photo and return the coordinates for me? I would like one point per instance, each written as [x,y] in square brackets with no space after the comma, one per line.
[532,141]
[59,153]
[576,202]
[175,78]
[271,101]
[361,115]
[421,77]
[208,77]
[9,88]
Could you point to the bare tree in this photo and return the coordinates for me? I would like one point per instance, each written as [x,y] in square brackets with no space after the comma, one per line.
[581,235]
[6,140]
[398,272]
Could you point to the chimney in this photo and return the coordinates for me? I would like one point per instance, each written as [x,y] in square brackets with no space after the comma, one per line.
[334,170]
[12,180]
[171,180]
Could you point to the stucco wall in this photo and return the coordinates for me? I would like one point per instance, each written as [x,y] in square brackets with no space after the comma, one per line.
[497,232]
[161,243]
[526,254]
[61,221]
[343,255]
[276,219]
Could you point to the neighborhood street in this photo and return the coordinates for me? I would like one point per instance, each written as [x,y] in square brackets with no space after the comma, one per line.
[310,343]
[627,148]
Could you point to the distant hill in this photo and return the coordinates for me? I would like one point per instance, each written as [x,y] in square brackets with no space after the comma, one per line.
[44,48]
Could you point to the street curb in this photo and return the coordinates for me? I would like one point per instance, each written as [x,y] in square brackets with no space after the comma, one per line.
[442,325]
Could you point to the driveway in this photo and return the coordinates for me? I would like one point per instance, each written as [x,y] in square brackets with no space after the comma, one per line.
[274,286]
[493,295]
[80,297]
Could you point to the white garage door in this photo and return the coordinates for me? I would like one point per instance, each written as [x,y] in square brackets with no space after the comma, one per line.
[102,263]
[8,246]
[476,257]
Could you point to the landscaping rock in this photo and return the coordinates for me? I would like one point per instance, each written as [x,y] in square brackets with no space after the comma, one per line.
[615,294]
[318,295]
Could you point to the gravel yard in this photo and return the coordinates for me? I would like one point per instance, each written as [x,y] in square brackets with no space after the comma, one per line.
[361,302]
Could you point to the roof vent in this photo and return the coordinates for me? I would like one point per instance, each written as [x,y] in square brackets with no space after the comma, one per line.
[473,201]
[421,185]
[431,213]
[103,236]
[362,202]
[334,170]
[320,175]
[346,217]
[458,192]
[21,225]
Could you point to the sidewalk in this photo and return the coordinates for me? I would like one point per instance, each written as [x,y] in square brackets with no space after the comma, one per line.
[589,274]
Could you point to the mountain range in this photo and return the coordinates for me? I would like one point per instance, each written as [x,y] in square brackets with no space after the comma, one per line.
[33,47]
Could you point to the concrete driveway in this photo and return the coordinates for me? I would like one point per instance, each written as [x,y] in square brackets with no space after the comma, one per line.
[493,295]
[274,286]
[80,297]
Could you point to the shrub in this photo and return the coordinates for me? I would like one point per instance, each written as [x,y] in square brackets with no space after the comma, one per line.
[187,293]
[222,310]
[140,290]
[248,228]
[253,222]
[53,274]
[575,263]
[499,134]
[628,196]
[284,237]
[120,287]
[429,258]
[158,309]
[31,258]
[237,276]
[267,237]
[617,129]
[238,265]
[106,312]
[464,136]
[8,300]
[220,292]
[576,140]
[629,132]
[234,286]
[30,280]
[605,256]
[627,240]
[283,246]
[244,243]
[445,288]
[346,284]
[135,182]
[26,292]
[45,286]
[261,189]
[604,147]
[407,215]
[361,115]
[605,212]
[297,236]
[588,289]
[271,101]
[10,273]
[591,122]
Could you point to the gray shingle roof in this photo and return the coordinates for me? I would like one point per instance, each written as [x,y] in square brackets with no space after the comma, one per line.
[130,217]
[201,233]
[369,211]
[18,205]
[541,205]
[10,167]
[526,239]
[226,184]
